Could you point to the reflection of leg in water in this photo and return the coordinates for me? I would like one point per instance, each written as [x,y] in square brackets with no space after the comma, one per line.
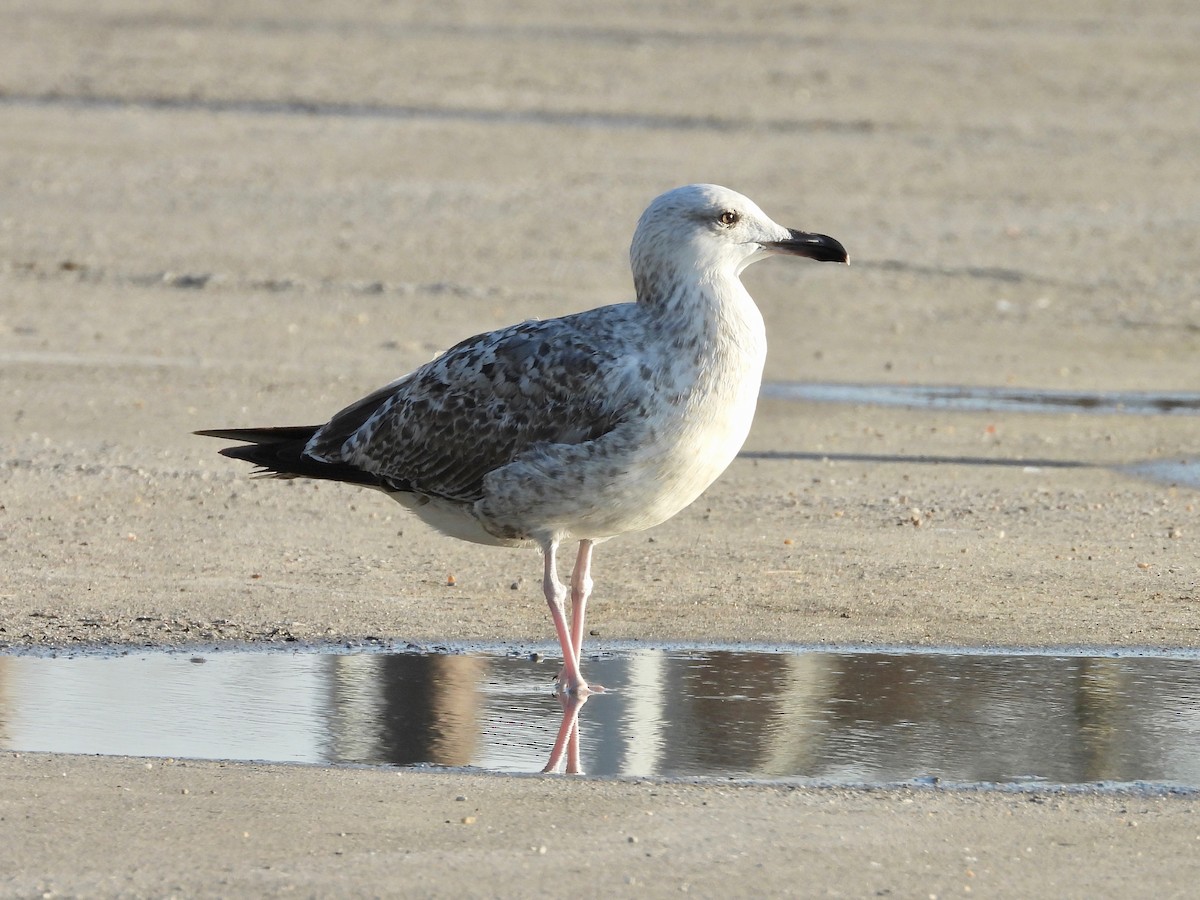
[568,734]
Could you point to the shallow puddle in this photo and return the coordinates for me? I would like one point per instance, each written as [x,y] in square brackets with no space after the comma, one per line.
[1176,471]
[961,398]
[844,717]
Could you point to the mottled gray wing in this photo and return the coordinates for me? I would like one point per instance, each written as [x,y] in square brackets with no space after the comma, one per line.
[442,428]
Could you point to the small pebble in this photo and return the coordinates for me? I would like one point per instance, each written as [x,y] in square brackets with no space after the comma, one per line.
[468,820]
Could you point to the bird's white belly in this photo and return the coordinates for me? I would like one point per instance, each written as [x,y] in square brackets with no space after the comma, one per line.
[458,520]
[670,475]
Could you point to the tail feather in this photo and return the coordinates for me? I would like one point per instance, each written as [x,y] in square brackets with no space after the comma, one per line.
[279,453]
[262,435]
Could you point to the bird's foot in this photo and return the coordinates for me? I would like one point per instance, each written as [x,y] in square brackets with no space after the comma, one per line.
[580,688]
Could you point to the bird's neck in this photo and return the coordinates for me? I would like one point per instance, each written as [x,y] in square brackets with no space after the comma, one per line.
[709,345]
[712,318]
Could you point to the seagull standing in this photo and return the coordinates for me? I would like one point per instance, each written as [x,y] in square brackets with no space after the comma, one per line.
[579,428]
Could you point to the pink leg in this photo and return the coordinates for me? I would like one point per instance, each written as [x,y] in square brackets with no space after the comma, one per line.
[581,589]
[570,680]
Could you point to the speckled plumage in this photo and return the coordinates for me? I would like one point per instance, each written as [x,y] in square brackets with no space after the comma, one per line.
[442,432]
[579,428]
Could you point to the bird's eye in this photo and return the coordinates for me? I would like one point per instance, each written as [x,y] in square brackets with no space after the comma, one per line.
[728,218]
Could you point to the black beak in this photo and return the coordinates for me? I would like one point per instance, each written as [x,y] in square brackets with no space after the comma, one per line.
[820,247]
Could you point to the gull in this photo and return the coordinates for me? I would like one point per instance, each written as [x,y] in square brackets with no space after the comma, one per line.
[574,429]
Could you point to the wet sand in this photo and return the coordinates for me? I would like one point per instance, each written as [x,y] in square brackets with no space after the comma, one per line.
[255,215]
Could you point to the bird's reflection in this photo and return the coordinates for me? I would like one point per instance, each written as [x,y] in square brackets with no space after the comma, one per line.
[409,709]
[567,740]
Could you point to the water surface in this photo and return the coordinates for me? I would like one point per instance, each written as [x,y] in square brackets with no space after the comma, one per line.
[963,398]
[844,717]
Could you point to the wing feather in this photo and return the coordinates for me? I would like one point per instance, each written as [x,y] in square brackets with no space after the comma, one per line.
[483,403]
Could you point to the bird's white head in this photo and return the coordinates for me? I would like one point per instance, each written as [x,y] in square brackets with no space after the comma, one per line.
[709,231]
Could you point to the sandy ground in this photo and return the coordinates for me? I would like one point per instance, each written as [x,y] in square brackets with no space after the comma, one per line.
[245,214]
